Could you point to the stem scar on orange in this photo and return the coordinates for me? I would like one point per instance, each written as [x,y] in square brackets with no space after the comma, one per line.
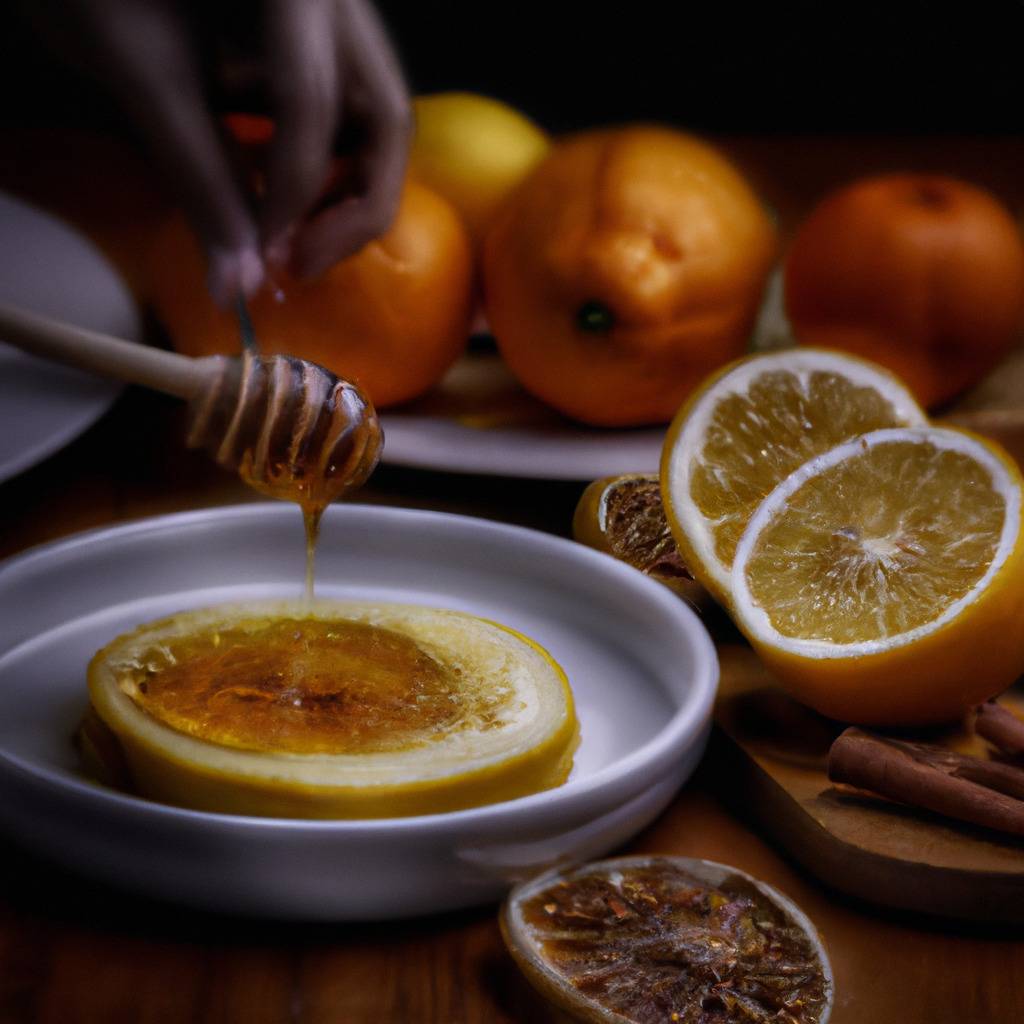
[627,266]
[393,317]
[921,273]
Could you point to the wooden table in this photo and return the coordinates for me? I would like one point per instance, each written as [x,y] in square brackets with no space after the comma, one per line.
[70,952]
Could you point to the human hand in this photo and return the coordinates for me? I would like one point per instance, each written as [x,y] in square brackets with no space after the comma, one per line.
[325,65]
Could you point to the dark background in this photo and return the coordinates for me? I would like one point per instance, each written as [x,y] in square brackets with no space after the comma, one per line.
[718,67]
[727,66]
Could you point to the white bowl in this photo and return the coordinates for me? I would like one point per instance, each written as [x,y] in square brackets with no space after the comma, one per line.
[642,668]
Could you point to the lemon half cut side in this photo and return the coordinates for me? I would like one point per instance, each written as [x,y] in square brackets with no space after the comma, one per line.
[748,427]
[333,710]
[883,581]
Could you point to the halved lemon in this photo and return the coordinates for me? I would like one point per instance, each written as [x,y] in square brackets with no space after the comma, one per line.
[748,427]
[333,710]
[883,581]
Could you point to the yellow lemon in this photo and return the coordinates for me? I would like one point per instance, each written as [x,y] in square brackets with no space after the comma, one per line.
[748,427]
[330,710]
[473,150]
[883,581]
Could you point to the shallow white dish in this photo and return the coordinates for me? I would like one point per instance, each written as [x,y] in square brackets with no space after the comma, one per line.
[642,668]
[479,420]
[47,267]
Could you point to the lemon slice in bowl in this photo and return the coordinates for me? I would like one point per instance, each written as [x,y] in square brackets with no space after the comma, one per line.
[883,581]
[333,710]
[748,427]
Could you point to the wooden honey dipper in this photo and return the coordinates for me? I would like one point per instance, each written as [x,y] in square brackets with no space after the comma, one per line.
[290,428]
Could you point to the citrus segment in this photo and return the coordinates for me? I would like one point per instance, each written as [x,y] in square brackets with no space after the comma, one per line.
[749,428]
[884,566]
[884,580]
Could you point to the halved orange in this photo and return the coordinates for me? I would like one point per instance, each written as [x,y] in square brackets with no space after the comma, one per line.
[883,581]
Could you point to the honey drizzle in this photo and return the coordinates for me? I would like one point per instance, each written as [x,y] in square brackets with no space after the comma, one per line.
[303,686]
[311,516]
[292,430]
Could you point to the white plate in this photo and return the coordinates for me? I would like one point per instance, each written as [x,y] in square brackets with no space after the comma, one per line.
[48,268]
[479,420]
[642,668]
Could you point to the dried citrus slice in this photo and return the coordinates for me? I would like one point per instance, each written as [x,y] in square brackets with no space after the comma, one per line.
[883,581]
[749,427]
[667,939]
[624,517]
[332,710]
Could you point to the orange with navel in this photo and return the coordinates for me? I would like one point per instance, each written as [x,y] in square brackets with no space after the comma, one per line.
[627,266]
[921,273]
[393,317]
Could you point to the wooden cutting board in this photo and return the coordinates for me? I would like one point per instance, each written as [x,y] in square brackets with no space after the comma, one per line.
[769,754]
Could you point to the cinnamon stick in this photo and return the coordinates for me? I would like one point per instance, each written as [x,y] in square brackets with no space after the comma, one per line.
[955,785]
[1004,778]
[1002,728]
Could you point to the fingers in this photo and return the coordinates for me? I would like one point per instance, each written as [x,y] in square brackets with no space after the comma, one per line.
[343,229]
[147,56]
[380,99]
[302,51]
[144,50]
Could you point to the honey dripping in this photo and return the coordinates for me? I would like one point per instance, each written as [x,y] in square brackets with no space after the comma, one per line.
[292,430]
[288,484]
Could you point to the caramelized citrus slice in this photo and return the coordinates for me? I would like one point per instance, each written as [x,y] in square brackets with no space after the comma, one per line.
[884,579]
[301,686]
[333,710]
[749,427]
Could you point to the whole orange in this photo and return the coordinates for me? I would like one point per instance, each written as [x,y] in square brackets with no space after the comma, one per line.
[627,266]
[393,317]
[921,273]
